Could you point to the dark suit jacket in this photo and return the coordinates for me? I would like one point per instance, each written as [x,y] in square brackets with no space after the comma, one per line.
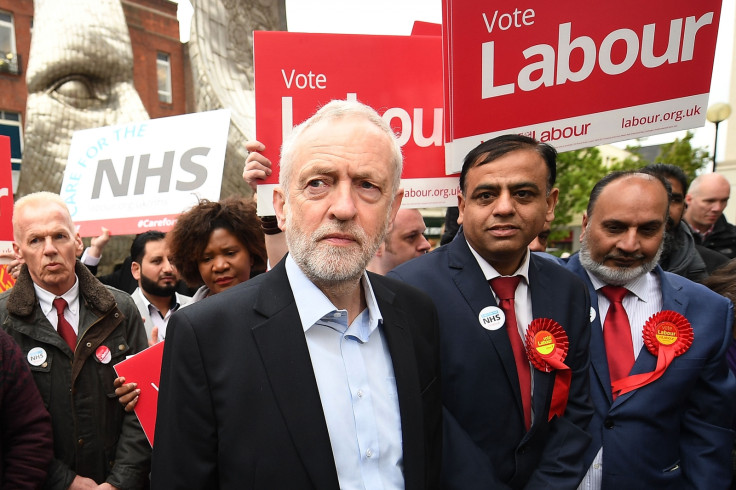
[485,444]
[239,405]
[673,433]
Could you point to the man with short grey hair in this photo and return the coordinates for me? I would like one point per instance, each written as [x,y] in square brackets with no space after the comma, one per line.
[706,200]
[317,374]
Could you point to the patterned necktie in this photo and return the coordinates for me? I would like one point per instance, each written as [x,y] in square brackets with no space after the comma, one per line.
[505,288]
[617,334]
[63,327]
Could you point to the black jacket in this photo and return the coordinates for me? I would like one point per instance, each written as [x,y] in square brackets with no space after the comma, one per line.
[722,239]
[93,436]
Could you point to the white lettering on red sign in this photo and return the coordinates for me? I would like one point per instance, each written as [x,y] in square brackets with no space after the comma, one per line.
[506,21]
[302,81]
[409,127]
[554,66]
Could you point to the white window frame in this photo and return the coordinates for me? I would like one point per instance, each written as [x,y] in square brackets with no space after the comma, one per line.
[163,60]
[9,23]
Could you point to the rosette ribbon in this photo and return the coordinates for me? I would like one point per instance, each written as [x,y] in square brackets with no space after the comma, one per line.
[667,334]
[546,348]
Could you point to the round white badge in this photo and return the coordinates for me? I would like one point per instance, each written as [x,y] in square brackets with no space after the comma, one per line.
[592,314]
[491,318]
[36,356]
[103,354]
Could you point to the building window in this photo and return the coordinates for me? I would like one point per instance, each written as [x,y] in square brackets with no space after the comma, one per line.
[163,73]
[8,54]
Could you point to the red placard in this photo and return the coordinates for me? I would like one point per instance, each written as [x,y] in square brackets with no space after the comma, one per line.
[575,74]
[144,368]
[6,212]
[6,192]
[399,76]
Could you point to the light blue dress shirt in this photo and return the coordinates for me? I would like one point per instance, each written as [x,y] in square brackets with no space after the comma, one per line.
[356,384]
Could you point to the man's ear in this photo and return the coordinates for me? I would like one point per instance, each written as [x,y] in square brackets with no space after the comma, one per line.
[551,204]
[395,205]
[135,270]
[460,208]
[585,224]
[381,249]
[279,203]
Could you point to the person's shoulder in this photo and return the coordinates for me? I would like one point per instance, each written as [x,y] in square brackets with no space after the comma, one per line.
[396,285]
[429,263]
[549,264]
[119,295]
[236,298]
[702,301]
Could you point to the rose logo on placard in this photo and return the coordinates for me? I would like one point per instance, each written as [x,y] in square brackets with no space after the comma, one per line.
[667,334]
[546,347]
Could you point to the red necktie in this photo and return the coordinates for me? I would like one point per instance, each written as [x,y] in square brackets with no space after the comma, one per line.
[63,327]
[617,334]
[505,288]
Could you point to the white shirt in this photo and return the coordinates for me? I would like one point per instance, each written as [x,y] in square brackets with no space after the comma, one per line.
[645,301]
[357,386]
[71,312]
[522,299]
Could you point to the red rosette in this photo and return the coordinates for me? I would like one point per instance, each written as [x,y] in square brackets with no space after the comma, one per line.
[667,334]
[670,330]
[546,348]
[546,344]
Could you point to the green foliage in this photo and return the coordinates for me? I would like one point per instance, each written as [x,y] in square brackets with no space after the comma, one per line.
[682,154]
[579,170]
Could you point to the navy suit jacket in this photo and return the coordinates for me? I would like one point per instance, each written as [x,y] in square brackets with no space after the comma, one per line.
[239,405]
[485,443]
[674,432]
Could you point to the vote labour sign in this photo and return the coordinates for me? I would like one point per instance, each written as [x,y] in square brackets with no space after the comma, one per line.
[576,73]
[140,176]
[399,76]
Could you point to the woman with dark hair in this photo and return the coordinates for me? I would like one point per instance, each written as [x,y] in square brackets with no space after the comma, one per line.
[217,245]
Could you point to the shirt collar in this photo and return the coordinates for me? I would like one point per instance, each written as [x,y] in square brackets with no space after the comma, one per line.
[46,298]
[313,305]
[173,305]
[638,286]
[490,273]
[702,235]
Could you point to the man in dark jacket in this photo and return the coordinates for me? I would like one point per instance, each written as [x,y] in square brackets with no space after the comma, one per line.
[72,331]
[681,255]
[706,199]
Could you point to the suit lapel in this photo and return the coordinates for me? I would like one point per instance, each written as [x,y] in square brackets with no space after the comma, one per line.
[283,348]
[403,358]
[470,281]
[673,297]
[542,307]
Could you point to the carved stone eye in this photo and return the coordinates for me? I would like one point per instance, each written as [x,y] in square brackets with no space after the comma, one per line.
[74,87]
[79,91]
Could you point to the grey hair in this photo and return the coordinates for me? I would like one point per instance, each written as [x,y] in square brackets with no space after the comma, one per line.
[37,199]
[333,111]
